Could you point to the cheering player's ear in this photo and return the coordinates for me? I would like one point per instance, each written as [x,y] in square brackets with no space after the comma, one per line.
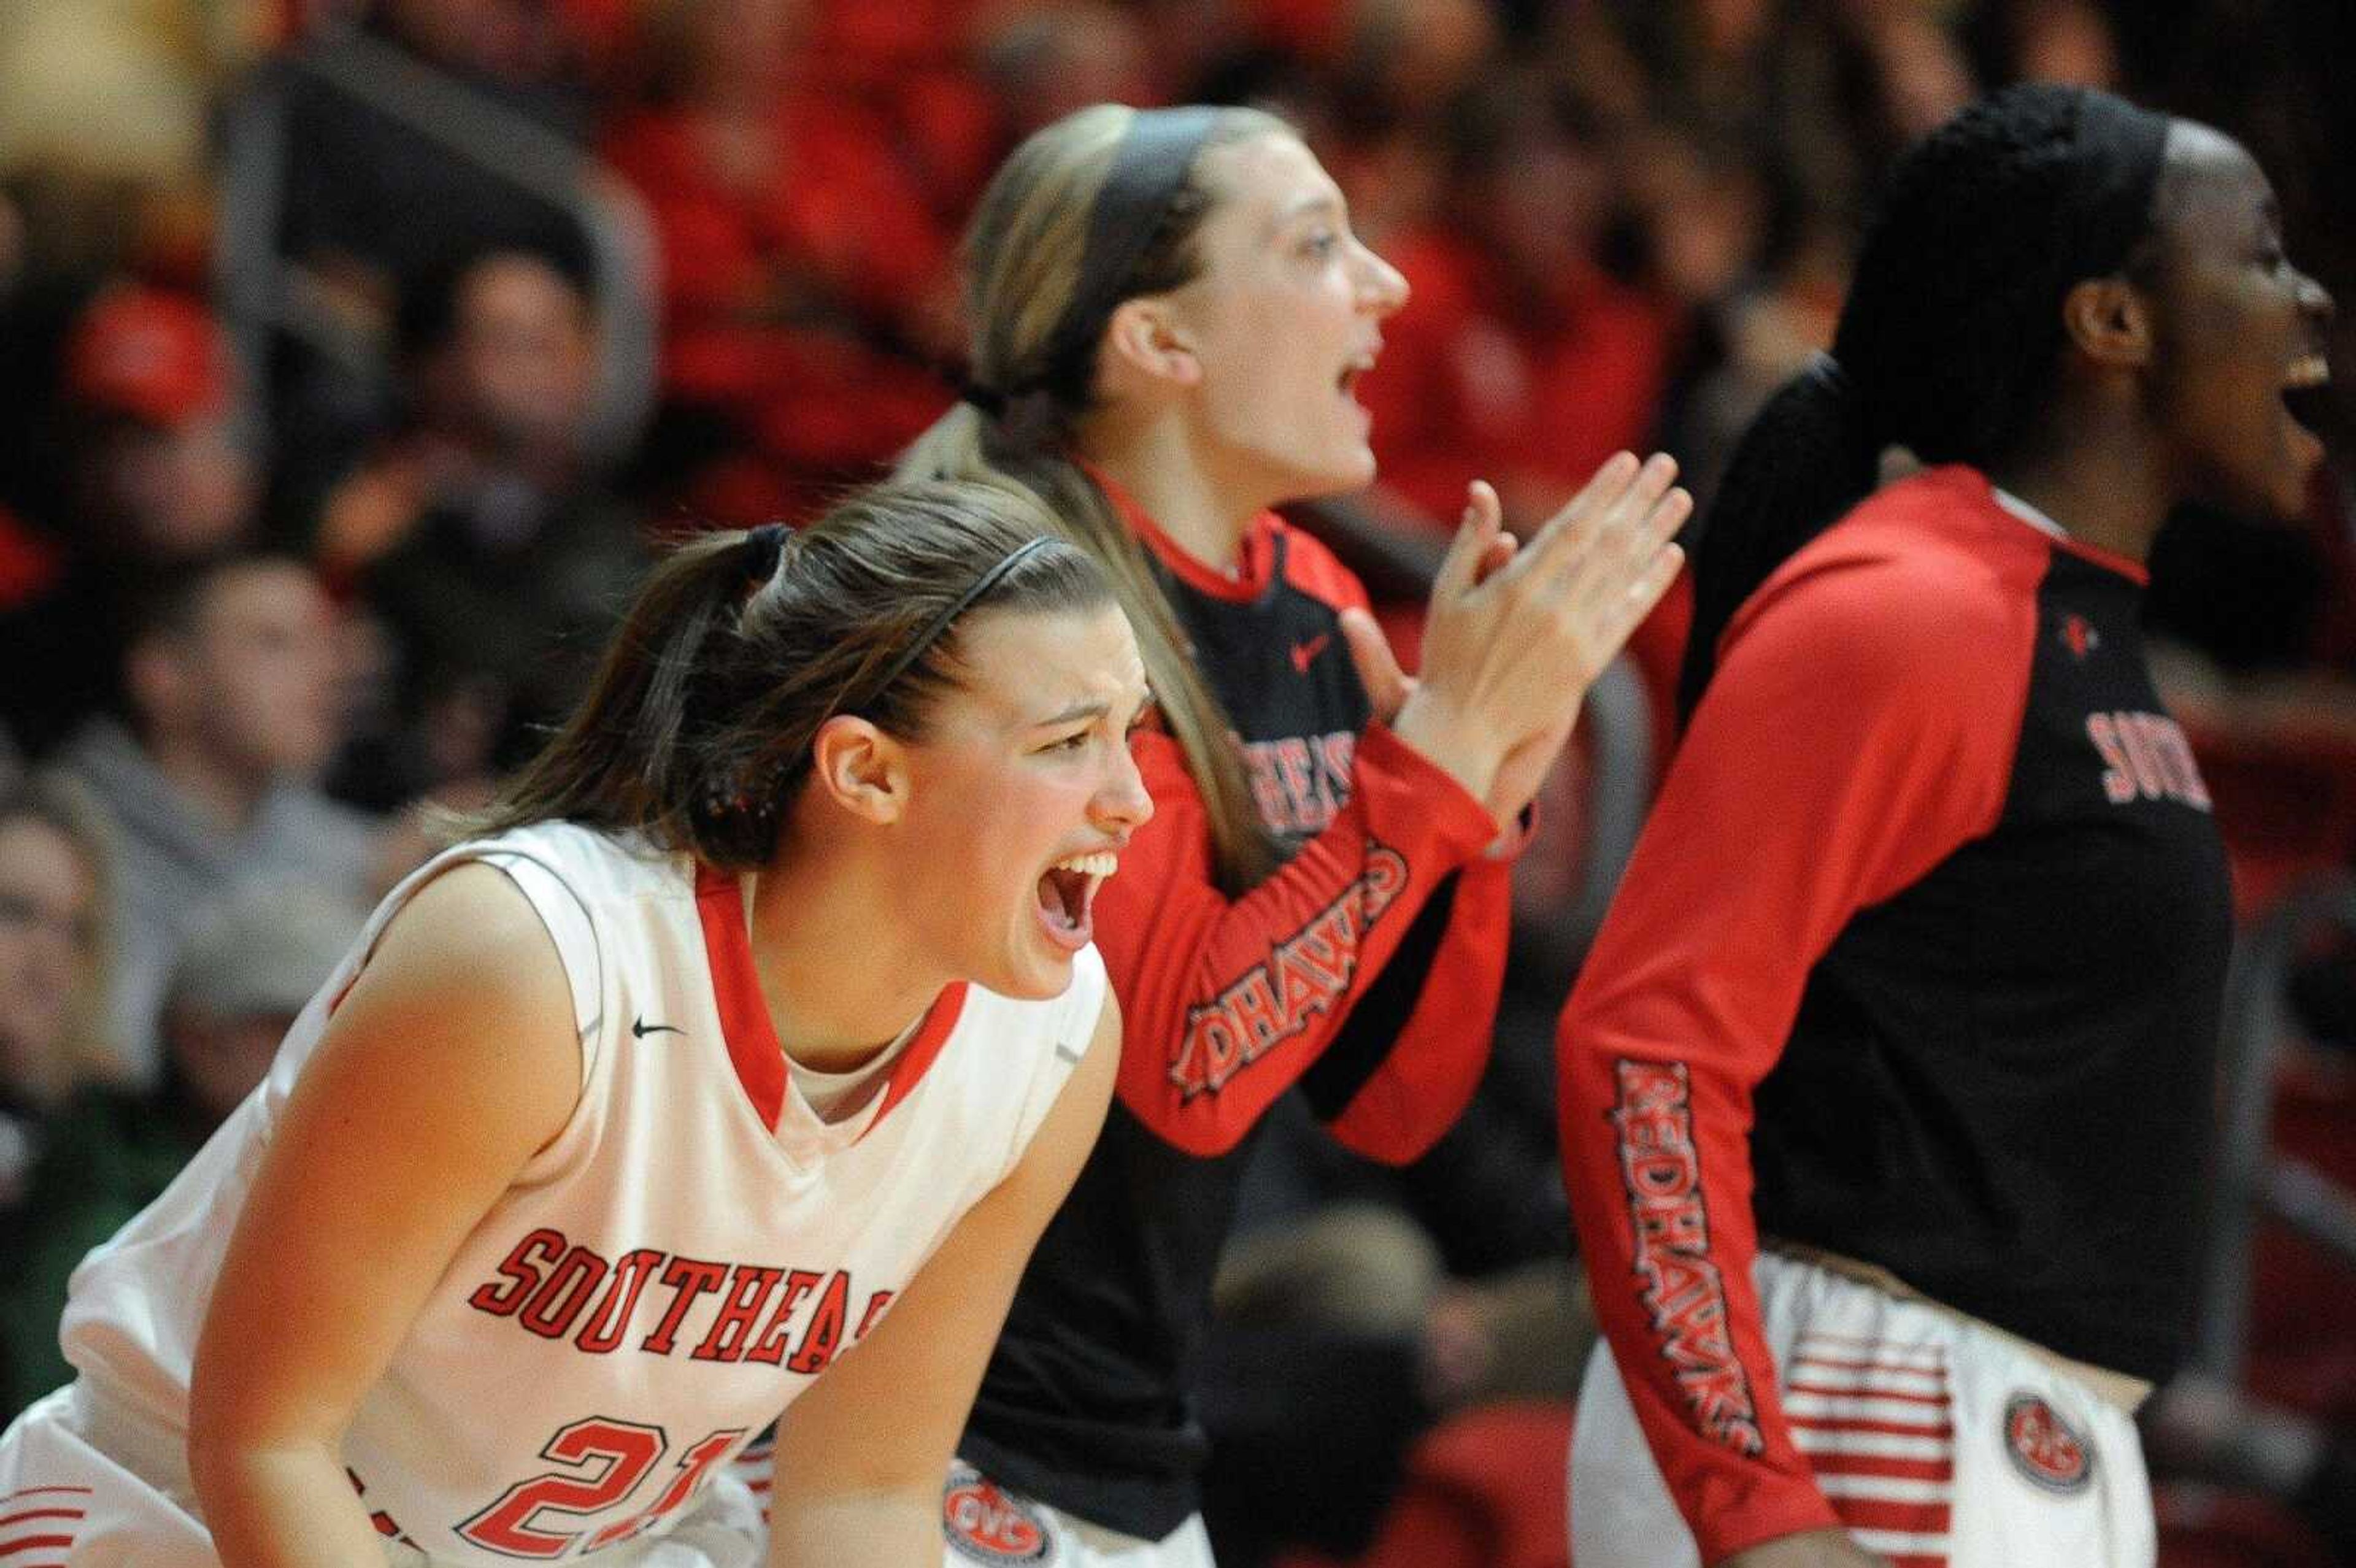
[861,768]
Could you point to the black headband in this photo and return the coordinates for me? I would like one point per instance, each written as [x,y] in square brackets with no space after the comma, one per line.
[958,606]
[1149,169]
[2116,160]
[763,547]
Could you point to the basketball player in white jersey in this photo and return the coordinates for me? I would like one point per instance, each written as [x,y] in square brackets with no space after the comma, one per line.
[735,1066]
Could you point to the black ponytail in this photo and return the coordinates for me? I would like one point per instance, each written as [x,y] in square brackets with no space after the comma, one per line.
[1810,456]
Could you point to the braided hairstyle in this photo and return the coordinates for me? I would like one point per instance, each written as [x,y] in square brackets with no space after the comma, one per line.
[1950,340]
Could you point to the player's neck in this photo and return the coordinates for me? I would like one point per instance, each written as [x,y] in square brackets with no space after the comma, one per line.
[2105,485]
[842,976]
[1156,463]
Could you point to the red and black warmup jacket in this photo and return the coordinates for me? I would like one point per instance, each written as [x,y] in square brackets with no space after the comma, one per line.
[1919,961]
[1366,971]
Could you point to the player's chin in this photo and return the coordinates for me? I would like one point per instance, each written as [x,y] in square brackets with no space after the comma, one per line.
[1040,980]
[1344,469]
[1033,969]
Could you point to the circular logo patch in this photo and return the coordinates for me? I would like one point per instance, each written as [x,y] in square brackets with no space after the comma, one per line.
[985,1525]
[2048,1451]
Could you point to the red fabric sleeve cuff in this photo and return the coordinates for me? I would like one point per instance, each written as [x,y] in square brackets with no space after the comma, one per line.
[1787,1512]
[1394,778]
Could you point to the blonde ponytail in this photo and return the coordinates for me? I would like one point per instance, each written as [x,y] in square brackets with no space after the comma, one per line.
[1024,256]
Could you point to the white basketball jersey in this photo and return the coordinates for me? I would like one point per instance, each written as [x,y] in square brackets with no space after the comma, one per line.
[666,1276]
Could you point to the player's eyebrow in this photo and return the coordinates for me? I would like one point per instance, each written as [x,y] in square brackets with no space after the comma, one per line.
[1077,710]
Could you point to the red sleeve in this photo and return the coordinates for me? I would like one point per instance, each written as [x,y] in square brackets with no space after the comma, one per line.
[1225,1003]
[1433,1065]
[1861,726]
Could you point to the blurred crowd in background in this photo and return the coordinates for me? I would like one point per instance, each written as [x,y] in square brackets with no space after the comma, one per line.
[354,354]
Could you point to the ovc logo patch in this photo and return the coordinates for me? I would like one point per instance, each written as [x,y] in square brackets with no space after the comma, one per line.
[984,1524]
[2050,1453]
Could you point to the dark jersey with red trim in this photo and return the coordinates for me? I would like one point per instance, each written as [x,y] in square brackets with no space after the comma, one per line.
[1932,896]
[1365,970]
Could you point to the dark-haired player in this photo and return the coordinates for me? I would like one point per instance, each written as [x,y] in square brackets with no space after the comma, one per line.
[1886,1086]
[760,1026]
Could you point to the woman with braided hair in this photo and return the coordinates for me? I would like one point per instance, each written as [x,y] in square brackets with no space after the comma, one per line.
[759,1020]
[1170,319]
[1886,1085]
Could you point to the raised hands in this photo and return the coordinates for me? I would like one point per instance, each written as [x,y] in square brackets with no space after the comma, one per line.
[1516,633]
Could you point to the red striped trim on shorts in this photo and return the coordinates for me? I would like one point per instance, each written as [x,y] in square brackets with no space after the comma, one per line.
[38,1525]
[1875,1421]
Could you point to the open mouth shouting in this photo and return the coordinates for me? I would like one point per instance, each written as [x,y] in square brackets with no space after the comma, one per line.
[1067,895]
[1356,371]
[2304,387]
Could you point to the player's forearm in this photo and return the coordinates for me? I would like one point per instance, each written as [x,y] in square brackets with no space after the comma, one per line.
[900,1528]
[281,1507]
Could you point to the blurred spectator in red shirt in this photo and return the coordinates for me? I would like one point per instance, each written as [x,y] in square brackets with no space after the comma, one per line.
[1523,357]
[804,277]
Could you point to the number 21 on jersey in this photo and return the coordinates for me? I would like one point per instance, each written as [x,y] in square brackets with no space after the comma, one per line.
[606,1461]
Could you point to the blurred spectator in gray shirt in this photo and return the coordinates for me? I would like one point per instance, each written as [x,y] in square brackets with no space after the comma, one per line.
[234,700]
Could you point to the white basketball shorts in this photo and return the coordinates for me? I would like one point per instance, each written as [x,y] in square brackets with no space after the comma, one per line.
[1940,1443]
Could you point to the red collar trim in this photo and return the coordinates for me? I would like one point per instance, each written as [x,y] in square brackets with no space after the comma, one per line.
[1256,559]
[751,1035]
[2134,570]
[2127,567]
[745,1021]
[940,1020]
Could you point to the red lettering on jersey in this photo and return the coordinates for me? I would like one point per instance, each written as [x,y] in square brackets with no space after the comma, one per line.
[610,1320]
[875,1305]
[780,1332]
[2196,788]
[1385,879]
[1681,1288]
[522,1274]
[2134,733]
[1314,967]
[825,1330]
[689,1278]
[1339,753]
[1299,784]
[1301,781]
[1305,975]
[1255,1013]
[553,1307]
[2173,752]
[2118,778]
[1220,1047]
[2146,757]
[1268,790]
[748,1292]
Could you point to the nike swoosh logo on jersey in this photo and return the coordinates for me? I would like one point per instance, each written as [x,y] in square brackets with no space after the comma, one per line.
[1304,654]
[641,1028]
